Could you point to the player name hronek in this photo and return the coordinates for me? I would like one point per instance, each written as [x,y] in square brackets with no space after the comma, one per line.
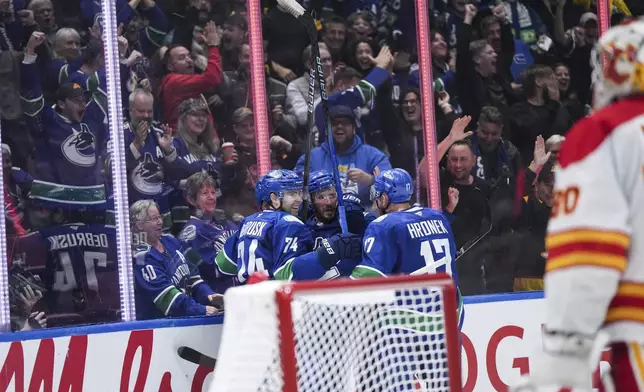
[254,228]
[63,241]
[426,228]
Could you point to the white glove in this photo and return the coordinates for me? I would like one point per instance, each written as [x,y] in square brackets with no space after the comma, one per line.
[564,361]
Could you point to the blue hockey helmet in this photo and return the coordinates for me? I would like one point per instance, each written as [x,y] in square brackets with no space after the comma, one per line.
[396,183]
[276,181]
[319,180]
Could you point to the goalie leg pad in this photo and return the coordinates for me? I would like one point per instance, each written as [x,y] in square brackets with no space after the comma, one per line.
[627,368]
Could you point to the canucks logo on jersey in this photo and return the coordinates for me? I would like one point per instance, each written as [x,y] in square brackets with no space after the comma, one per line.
[79,147]
[147,176]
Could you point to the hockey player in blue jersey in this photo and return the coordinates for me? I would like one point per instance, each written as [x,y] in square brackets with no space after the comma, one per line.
[409,240]
[406,239]
[276,241]
[324,223]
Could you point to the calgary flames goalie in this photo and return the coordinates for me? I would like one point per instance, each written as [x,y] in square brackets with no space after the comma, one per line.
[595,269]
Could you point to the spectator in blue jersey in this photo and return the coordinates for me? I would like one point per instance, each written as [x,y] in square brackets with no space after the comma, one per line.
[277,242]
[150,154]
[207,229]
[324,220]
[68,172]
[356,160]
[167,283]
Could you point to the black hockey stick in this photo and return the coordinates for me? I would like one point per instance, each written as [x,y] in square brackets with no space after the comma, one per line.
[194,356]
[316,72]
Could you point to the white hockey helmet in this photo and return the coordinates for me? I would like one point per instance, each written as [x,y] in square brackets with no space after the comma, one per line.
[623,74]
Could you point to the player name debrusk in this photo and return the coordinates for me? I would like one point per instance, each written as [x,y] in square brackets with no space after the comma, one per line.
[426,228]
[253,228]
[63,241]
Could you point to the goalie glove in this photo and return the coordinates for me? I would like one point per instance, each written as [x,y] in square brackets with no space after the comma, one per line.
[338,247]
[564,363]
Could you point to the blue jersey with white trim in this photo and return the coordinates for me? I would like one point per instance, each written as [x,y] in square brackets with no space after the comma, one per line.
[271,241]
[414,241]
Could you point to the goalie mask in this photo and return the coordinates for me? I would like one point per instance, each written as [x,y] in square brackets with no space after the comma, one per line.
[623,49]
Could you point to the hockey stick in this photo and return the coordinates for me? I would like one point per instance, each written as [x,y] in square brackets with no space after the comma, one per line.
[474,241]
[297,11]
[194,356]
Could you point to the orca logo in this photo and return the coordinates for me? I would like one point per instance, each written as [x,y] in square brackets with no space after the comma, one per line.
[79,147]
[147,176]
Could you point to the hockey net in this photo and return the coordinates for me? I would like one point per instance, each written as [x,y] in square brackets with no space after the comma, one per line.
[369,335]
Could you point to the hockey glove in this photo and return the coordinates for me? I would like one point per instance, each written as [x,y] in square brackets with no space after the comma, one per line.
[355,213]
[338,247]
[564,362]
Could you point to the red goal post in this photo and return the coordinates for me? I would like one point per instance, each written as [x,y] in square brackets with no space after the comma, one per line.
[380,334]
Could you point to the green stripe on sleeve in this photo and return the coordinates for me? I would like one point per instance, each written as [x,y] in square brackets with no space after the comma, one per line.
[285,272]
[362,271]
[225,264]
[165,300]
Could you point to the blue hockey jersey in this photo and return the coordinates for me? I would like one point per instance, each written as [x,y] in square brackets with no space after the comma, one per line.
[357,220]
[207,238]
[81,271]
[411,242]
[271,241]
[68,172]
[166,284]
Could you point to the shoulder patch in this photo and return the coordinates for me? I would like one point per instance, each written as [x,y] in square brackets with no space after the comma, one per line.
[590,132]
[380,218]
[291,218]
[188,233]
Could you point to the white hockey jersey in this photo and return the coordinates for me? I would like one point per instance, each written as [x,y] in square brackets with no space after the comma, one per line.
[595,269]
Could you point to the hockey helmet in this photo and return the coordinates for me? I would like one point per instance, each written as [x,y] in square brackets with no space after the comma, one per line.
[396,183]
[276,181]
[622,47]
[320,180]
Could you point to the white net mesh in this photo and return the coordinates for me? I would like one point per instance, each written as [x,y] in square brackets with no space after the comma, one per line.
[362,339]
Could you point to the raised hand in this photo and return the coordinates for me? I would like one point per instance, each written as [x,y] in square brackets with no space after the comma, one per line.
[458,129]
[384,60]
[452,197]
[36,39]
[540,156]
[211,35]
[165,140]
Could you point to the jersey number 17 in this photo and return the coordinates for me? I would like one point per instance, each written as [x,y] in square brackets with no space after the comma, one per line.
[433,264]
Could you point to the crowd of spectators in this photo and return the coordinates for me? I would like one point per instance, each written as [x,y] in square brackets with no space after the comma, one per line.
[510,79]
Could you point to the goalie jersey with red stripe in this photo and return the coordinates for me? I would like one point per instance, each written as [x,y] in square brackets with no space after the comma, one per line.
[595,242]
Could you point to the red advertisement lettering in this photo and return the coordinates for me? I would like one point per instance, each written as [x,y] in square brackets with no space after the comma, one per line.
[14,365]
[200,378]
[138,339]
[71,380]
[44,367]
[521,363]
[42,377]
[166,383]
[472,363]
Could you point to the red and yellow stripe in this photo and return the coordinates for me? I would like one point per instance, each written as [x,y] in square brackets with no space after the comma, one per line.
[606,249]
[627,304]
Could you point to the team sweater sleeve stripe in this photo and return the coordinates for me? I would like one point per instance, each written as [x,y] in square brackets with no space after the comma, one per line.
[628,303]
[589,248]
